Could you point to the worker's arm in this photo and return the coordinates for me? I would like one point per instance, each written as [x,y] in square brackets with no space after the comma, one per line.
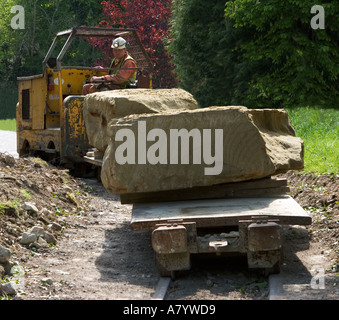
[98,79]
[121,76]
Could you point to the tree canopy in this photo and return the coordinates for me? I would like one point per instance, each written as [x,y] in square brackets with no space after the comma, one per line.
[255,53]
[302,63]
[205,59]
[22,50]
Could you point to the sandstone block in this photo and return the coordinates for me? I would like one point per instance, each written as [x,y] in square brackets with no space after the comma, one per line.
[200,147]
[101,107]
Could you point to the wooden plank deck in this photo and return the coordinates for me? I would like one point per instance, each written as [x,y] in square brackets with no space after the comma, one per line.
[249,189]
[219,212]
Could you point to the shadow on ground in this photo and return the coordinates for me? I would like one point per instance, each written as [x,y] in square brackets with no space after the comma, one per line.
[128,257]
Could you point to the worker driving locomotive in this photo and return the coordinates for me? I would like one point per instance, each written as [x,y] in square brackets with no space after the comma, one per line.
[122,71]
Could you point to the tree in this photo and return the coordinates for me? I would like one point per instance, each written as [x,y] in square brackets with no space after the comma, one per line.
[23,50]
[203,53]
[8,43]
[150,19]
[260,54]
[302,64]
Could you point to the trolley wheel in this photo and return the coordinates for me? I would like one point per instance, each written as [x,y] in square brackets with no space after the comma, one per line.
[168,264]
[163,272]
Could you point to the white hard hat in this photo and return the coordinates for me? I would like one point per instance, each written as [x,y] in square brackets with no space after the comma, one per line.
[119,43]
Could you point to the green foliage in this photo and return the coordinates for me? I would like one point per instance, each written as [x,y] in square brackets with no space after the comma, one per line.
[256,53]
[26,194]
[7,41]
[202,51]
[301,63]
[22,50]
[15,204]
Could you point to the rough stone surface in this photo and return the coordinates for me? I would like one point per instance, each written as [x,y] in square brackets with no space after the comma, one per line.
[101,107]
[28,238]
[5,254]
[8,288]
[40,232]
[255,144]
[35,234]
[28,206]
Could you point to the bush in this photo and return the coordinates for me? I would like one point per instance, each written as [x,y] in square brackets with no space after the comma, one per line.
[301,64]
[202,49]
[256,53]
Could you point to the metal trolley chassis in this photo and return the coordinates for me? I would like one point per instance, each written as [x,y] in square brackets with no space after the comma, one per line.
[255,224]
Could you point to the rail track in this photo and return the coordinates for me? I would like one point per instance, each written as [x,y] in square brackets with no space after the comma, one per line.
[234,282]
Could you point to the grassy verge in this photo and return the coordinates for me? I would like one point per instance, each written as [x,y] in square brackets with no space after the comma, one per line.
[8,124]
[319,129]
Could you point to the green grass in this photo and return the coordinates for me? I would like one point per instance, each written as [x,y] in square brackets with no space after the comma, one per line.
[319,129]
[9,204]
[8,124]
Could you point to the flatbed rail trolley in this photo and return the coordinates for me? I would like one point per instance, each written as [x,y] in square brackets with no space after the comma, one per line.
[248,225]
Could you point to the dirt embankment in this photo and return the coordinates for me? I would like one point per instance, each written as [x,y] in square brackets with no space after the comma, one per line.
[54,193]
[319,195]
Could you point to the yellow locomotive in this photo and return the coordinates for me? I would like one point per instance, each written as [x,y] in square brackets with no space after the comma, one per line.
[49,112]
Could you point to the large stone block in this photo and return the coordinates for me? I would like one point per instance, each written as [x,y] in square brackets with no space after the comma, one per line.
[200,147]
[101,107]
